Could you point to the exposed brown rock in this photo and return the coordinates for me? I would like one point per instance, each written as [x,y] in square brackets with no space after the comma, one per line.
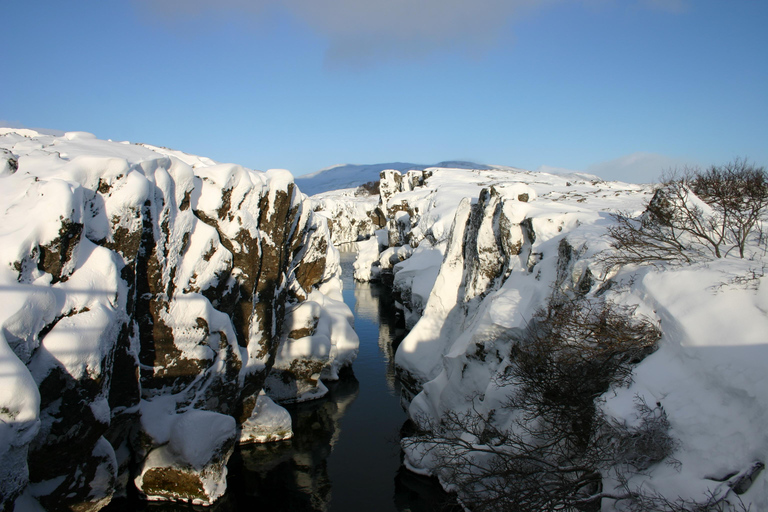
[60,251]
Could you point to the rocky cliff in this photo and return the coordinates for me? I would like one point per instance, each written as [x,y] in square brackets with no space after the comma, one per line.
[479,257]
[149,297]
[352,214]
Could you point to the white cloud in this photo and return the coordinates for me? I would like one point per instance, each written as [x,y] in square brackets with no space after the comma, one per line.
[637,167]
[362,31]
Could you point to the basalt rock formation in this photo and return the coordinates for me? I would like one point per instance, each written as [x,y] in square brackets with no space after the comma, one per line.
[482,259]
[147,296]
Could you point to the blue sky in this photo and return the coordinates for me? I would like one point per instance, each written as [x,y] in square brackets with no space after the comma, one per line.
[623,88]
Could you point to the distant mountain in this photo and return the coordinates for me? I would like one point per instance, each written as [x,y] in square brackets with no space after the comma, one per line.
[352,175]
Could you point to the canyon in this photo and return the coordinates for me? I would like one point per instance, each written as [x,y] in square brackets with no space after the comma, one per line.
[161,308]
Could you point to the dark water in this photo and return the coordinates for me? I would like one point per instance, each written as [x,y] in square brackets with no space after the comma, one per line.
[345,454]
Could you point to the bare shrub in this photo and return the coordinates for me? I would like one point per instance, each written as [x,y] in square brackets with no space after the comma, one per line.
[691,213]
[645,240]
[645,444]
[551,456]
[677,208]
[738,191]
[722,500]
[556,449]
[368,189]
[517,469]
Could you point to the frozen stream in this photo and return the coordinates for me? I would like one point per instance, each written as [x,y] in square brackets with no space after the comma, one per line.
[345,454]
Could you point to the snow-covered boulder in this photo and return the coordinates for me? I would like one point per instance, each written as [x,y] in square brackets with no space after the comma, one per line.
[366,265]
[191,464]
[137,279]
[318,342]
[268,422]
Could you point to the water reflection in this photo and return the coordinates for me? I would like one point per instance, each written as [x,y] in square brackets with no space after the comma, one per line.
[345,454]
[293,475]
[376,317]
[417,493]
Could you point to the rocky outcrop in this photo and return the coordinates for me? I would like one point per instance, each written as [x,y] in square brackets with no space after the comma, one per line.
[375,223]
[489,263]
[351,216]
[401,216]
[486,242]
[524,249]
[147,302]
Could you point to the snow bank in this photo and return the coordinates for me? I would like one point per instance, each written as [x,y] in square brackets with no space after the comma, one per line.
[709,375]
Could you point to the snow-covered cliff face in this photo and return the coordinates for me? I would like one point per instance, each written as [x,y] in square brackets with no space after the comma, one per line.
[352,214]
[475,255]
[148,297]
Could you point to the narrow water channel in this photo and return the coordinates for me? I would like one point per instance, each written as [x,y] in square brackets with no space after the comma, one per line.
[366,457]
[345,453]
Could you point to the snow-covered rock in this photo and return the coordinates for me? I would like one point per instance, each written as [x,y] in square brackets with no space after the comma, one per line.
[352,215]
[141,285]
[319,341]
[507,257]
[366,264]
[191,465]
[344,176]
[475,254]
[268,422]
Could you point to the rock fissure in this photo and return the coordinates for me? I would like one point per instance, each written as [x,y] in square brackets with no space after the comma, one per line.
[157,318]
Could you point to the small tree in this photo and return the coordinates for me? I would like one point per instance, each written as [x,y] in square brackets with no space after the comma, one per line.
[738,191]
[677,209]
[693,212]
